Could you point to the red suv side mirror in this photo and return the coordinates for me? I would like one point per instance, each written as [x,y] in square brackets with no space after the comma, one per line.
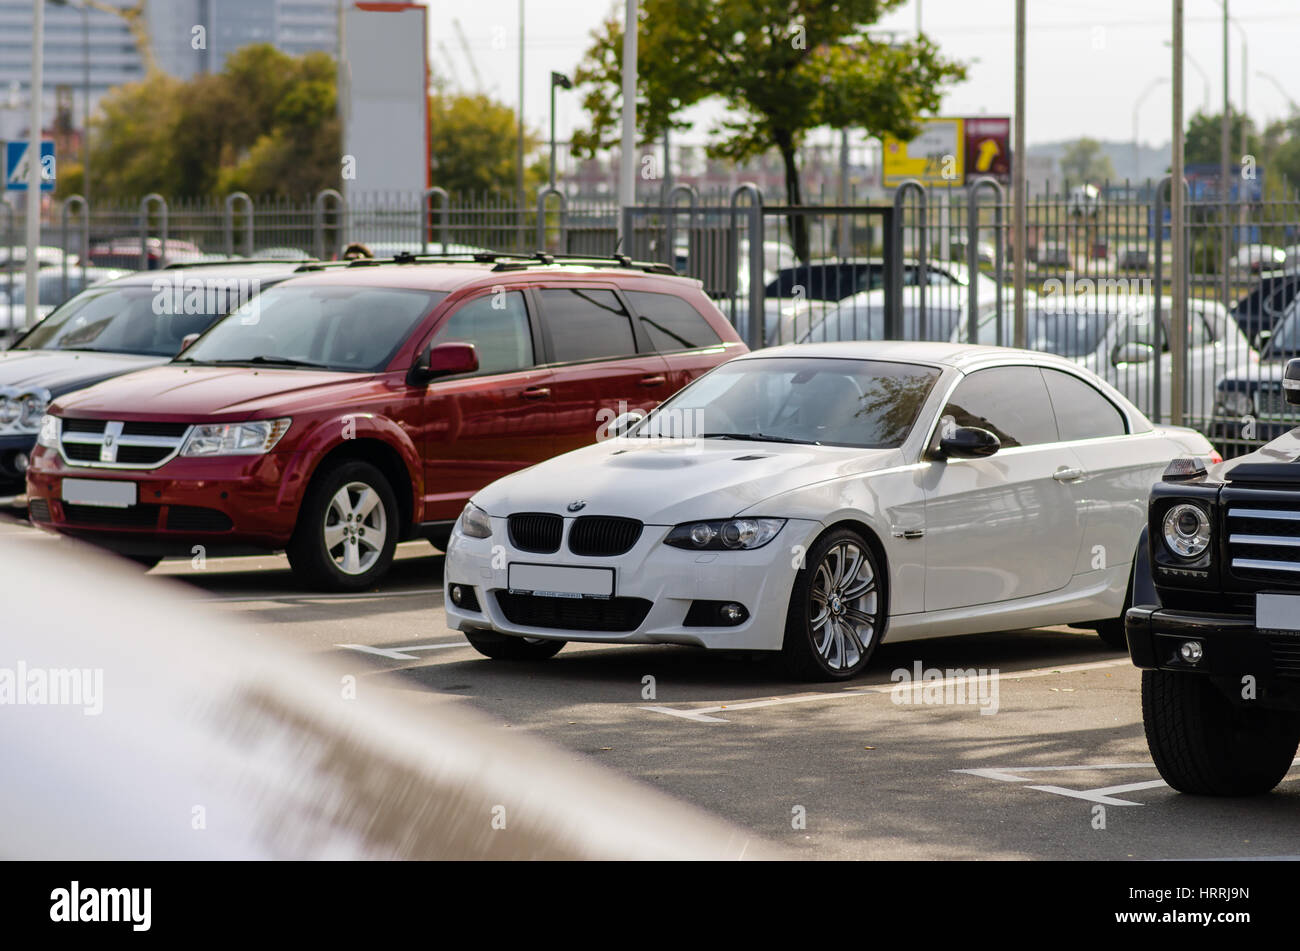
[445,359]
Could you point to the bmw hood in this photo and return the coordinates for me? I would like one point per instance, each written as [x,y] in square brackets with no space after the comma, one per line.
[668,481]
[62,371]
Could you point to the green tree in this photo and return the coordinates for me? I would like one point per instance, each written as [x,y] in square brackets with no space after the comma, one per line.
[474,145]
[781,67]
[1085,162]
[265,124]
[1201,142]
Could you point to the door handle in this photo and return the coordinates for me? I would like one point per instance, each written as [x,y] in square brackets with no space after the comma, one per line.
[1067,474]
[655,380]
[536,393]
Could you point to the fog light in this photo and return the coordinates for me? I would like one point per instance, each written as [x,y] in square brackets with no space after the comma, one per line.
[1191,652]
[456,594]
[20,462]
[731,612]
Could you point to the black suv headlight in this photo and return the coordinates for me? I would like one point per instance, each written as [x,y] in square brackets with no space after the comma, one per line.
[1187,530]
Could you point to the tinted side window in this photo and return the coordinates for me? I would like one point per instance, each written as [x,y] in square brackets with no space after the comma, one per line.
[672,323]
[1081,411]
[497,326]
[1010,402]
[587,324]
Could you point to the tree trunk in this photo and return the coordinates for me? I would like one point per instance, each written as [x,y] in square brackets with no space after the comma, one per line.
[794,196]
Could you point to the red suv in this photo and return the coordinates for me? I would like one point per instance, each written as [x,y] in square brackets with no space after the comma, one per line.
[358,405]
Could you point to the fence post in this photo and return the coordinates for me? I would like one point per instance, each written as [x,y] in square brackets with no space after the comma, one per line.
[145,202]
[756,330]
[894,318]
[972,255]
[671,230]
[79,201]
[542,195]
[318,217]
[443,199]
[229,223]
[1159,213]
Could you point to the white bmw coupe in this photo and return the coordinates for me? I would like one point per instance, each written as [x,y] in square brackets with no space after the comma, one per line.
[816,499]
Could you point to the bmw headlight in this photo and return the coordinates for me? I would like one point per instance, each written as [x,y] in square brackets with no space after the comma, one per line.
[475,522]
[1187,530]
[236,439]
[49,437]
[733,534]
[1236,403]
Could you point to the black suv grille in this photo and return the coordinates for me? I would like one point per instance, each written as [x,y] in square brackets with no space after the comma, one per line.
[601,536]
[1264,542]
[573,614]
[535,532]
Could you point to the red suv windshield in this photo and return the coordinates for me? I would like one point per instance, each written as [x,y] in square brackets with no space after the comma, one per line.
[339,328]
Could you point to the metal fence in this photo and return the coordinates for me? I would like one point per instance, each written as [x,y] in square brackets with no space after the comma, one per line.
[929,264]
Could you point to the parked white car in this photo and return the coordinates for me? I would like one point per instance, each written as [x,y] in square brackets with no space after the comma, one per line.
[816,499]
[1114,336]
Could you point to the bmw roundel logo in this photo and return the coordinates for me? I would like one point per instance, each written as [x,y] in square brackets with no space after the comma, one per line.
[577,506]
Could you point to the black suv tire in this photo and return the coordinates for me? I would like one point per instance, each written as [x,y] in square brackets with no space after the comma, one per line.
[1203,743]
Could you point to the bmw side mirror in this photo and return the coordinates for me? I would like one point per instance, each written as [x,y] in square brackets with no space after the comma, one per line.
[969,442]
[186,341]
[446,359]
[1291,382]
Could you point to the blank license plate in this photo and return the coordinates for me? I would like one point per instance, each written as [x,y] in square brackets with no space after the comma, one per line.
[113,495]
[562,581]
[1277,612]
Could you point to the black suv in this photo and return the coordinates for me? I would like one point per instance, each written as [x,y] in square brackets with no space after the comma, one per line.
[1215,622]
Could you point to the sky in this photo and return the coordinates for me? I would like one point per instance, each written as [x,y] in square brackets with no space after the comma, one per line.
[1088,60]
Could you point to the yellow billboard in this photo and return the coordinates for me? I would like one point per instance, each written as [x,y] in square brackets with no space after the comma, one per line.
[935,157]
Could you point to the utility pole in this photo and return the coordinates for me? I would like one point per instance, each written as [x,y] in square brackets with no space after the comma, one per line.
[1178,230]
[1018,183]
[1225,132]
[627,156]
[33,290]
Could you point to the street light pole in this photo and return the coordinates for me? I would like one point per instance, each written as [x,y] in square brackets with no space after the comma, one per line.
[1225,132]
[1291,103]
[519,158]
[1178,230]
[1018,183]
[1137,153]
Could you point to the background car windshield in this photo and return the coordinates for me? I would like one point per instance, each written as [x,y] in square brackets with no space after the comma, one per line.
[1285,341]
[343,328]
[1067,334]
[116,320]
[864,403]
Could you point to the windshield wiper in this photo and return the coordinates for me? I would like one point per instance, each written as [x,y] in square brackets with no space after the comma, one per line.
[760,437]
[267,361]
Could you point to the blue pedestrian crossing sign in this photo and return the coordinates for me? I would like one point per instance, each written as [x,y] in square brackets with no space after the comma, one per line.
[16,170]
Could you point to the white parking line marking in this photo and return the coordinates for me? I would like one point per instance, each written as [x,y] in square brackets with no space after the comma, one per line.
[1006,774]
[1101,795]
[397,653]
[701,713]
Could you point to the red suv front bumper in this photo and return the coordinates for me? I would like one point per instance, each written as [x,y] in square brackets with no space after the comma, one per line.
[228,504]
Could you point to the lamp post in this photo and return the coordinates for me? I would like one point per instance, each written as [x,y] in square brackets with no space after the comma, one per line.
[1137,152]
[564,82]
[1291,103]
[1205,79]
